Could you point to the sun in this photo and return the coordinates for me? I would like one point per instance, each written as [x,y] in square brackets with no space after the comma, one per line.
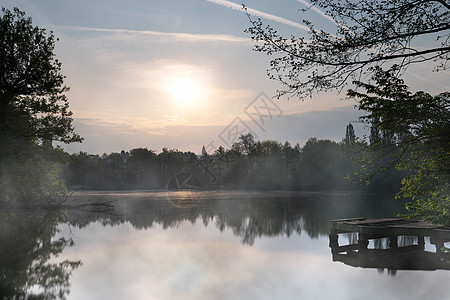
[184,90]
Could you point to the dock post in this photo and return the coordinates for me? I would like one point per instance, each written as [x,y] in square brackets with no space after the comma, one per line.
[363,242]
[421,242]
[393,242]
[439,243]
[334,241]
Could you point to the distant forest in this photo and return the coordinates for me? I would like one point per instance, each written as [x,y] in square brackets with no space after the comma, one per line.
[320,165]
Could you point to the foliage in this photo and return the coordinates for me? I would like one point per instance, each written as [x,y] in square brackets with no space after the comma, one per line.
[250,164]
[350,136]
[34,111]
[33,104]
[368,33]
[409,131]
[420,124]
[320,162]
[32,175]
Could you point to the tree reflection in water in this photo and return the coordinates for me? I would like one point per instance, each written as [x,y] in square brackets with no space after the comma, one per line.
[248,215]
[29,244]
[28,251]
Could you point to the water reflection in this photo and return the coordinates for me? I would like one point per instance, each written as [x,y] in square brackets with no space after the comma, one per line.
[391,244]
[172,254]
[28,250]
[248,215]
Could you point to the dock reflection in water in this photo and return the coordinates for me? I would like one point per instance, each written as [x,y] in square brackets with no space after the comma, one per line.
[229,245]
[398,244]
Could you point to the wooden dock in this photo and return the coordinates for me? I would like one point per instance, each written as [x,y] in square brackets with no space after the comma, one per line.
[390,256]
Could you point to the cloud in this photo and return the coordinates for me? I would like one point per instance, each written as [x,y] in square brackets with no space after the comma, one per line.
[189,37]
[323,14]
[258,13]
[112,136]
[98,127]
[317,10]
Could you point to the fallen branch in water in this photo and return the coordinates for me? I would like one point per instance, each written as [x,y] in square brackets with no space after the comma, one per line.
[88,207]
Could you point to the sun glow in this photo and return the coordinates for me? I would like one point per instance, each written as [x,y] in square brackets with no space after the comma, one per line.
[184,90]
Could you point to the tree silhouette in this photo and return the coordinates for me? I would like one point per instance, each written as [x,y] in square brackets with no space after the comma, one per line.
[34,111]
[368,33]
[350,136]
[422,124]
[32,101]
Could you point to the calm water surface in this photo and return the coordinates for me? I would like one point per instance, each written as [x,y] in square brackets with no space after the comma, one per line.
[227,245]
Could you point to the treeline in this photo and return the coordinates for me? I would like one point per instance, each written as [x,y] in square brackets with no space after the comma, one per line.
[249,164]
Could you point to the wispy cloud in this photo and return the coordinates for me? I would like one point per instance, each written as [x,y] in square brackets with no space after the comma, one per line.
[190,37]
[432,82]
[97,125]
[258,13]
[317,10]
[322,13]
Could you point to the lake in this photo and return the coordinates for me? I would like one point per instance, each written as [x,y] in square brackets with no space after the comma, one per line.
[207,245]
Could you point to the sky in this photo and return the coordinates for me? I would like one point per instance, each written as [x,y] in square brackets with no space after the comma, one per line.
[183,73]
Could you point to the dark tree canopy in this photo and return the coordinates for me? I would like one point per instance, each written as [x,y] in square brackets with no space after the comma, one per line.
[368,33]
[375,41]
[414,117]
[33,106]
[34,111]
[413,132]
[350,136]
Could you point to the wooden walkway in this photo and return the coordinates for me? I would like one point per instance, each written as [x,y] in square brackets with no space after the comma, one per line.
[391,256]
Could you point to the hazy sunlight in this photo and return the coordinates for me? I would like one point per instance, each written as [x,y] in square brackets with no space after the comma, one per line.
[184,90]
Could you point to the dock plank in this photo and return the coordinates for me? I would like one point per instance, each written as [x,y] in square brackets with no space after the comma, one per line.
[391,226]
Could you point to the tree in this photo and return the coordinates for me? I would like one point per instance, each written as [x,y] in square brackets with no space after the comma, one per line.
[290,158]
[143,167]
[410,131]
[368,33]
[34,110]
[32,101]
[422,124]
[375,133]
[350,137]
[247,146]
[321,165]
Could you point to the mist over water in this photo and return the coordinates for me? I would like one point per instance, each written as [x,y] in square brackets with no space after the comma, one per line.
[229,245]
